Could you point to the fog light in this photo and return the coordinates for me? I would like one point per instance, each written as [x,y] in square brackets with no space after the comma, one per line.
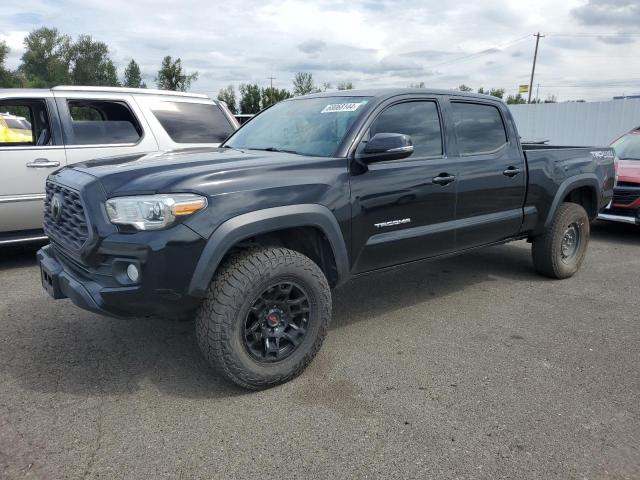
[133,273]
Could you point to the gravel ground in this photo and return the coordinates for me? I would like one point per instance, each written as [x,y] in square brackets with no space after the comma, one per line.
[469,367]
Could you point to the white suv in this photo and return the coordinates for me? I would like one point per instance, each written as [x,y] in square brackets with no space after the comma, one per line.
[75,124]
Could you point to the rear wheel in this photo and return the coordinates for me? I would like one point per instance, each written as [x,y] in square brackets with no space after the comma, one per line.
[559,252]
[265,317]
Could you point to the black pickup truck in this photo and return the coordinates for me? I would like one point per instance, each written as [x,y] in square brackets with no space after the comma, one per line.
[250,237]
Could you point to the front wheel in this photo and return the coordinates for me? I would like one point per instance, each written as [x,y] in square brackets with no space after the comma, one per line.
[265,317]
[559,252]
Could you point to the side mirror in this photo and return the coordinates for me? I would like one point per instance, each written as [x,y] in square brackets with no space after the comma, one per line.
[387,146]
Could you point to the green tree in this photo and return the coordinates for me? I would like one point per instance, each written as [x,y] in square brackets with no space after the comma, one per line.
[45,62]
[494,92]
[8,78]
[132,76]
[249,98]
[228,96]
[464,88]
[515,99]
[303,84]
[172,76]
[497,92]
[345,86]
[91,64]
[269,96]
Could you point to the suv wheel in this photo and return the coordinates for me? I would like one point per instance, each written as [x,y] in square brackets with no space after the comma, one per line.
[265,316]
[559,252]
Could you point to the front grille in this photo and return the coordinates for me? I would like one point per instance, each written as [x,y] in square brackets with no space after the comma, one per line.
[69,227]
[625,196]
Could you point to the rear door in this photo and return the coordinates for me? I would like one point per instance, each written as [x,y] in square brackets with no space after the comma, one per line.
[492,174]
[102,125]
[400,212]
[30,149]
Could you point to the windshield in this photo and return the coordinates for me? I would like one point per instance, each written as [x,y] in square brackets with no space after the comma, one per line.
[308,126]
[18,124]
[628,147]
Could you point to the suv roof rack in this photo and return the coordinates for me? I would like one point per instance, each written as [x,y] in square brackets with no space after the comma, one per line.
[137,91]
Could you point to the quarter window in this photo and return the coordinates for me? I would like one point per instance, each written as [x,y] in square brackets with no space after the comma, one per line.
[99,122]
[24,123]
[479,128]
[419,120]
[192,122]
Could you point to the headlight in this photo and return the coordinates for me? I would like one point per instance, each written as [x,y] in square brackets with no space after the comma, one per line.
[153,212]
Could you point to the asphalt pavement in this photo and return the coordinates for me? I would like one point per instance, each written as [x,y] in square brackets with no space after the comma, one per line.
[463,368]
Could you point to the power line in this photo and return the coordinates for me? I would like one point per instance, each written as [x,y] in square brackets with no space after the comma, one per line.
[593,87]
[593,34]
[486,51]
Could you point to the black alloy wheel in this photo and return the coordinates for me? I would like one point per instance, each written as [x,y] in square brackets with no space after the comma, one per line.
[276,322]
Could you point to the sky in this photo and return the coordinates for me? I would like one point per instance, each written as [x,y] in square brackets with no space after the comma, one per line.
[589,50]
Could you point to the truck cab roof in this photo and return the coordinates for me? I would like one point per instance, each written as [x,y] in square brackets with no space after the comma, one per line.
[382,93]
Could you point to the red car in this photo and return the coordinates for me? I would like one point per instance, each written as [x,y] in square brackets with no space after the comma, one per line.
[625,206]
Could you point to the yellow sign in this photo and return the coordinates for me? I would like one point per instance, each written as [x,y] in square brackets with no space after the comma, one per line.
[523,89]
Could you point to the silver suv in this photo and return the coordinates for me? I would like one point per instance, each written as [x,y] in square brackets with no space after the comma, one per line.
[44,129]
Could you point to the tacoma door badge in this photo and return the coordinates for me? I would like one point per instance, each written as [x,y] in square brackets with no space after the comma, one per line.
[392,223]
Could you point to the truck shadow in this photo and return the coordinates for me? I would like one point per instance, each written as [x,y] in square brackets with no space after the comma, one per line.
[621,233]
[18,256]
[415,284]
[55,347]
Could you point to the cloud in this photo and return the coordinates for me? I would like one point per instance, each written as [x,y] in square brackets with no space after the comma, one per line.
[616,39]
[608,12]
[311,46]
[373,43]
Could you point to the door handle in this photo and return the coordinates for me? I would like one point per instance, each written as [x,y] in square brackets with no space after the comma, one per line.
[43,163]
[444,179]
[511,172]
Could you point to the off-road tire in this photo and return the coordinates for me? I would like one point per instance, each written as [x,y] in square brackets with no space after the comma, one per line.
[547,248]
[221,318]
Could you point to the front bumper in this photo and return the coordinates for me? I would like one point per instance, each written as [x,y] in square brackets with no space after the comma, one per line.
[166,264]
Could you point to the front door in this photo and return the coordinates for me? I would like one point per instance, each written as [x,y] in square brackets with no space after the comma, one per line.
[30,149]
[404,210]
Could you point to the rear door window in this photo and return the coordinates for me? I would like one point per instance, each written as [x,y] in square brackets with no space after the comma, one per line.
[102,122]
[188,122]
[479,128]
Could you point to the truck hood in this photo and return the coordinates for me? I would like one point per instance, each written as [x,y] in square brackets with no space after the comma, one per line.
[628,171]
[203,170]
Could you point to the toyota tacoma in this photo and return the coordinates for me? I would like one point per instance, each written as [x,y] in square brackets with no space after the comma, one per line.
[249,238]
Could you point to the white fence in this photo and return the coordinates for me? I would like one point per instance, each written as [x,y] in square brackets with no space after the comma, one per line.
[580,124]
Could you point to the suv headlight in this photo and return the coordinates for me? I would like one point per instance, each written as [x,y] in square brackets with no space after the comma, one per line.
[153,212]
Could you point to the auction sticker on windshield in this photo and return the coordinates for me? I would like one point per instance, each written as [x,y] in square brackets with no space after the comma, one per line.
[341,107]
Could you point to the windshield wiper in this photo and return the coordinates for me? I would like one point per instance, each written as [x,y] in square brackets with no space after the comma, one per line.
[274,149]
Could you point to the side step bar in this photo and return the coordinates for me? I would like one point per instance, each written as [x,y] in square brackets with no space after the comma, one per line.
[23,238]
[618,218]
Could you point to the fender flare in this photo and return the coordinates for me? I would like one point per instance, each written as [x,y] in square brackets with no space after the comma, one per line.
[576,181]
[263,221]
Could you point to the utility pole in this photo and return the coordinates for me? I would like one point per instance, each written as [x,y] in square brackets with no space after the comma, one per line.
[271,79]
[533,69]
